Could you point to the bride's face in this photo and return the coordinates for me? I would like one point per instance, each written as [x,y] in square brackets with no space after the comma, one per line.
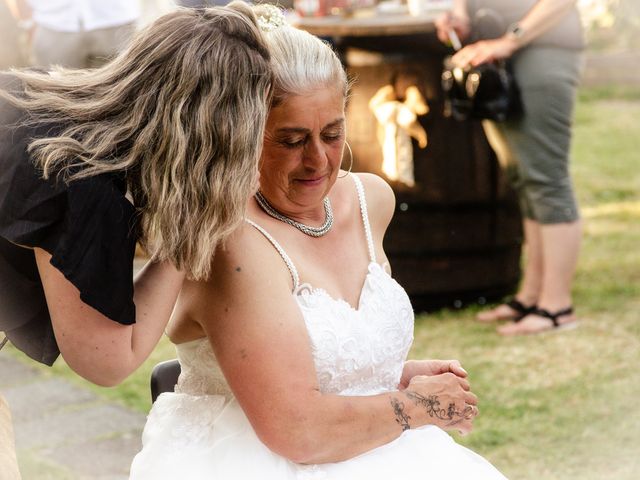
[302,151]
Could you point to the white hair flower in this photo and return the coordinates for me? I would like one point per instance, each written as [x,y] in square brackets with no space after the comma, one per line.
[270,17]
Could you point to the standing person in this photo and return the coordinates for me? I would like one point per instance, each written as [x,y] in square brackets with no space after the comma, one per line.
[76,33]
[293,351]
[157,146]
[543,41]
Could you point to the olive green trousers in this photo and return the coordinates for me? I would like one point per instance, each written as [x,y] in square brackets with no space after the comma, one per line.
[535,149]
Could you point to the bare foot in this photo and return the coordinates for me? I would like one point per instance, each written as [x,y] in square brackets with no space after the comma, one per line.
[501,312]
[535,323]
[511,310]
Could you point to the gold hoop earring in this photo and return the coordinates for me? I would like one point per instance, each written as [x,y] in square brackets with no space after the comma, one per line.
[350,163]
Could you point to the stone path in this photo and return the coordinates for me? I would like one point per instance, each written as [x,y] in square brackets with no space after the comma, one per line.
[65,432]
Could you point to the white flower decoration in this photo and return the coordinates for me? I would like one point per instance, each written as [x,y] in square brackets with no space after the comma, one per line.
[270,18]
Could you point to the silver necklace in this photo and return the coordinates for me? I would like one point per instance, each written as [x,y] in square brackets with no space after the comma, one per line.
[306,229]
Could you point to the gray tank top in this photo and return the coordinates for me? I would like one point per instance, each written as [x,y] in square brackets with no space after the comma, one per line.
[491,19]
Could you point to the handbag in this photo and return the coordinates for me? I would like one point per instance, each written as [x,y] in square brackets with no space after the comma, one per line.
[487,91]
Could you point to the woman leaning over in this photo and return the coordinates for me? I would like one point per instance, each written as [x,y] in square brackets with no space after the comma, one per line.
[293,352]
[157,146]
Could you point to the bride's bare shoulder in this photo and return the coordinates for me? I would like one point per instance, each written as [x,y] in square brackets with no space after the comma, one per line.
[381,201]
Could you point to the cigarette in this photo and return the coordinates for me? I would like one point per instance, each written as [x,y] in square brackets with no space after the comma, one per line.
[453,38]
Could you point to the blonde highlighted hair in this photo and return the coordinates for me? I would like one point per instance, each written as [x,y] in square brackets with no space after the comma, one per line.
[181,112]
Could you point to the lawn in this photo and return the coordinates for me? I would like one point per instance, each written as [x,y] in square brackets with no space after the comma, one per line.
[553,406]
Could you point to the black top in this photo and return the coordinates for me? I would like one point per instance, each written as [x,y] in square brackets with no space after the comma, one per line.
[88,226]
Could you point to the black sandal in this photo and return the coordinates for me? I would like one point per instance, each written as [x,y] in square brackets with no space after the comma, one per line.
[520,308]
[553,316]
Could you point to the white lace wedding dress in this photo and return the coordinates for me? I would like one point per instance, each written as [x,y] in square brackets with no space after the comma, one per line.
[200,431]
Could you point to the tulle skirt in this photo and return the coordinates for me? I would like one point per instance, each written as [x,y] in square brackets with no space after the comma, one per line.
[203,437]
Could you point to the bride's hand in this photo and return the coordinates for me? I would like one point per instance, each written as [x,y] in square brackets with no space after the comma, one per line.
[444,400]
[429,368]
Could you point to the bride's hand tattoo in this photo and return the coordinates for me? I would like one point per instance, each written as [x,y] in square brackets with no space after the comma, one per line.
[401,417]
[431,404]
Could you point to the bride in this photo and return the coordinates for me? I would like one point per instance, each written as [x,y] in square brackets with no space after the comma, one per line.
[293,352]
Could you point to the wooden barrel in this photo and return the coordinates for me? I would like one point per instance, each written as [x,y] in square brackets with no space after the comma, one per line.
[456,235]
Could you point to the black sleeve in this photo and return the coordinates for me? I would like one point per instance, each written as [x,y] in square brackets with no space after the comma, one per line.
[88,227]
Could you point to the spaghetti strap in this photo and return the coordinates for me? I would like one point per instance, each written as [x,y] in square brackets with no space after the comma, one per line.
[287,260]
[365,216]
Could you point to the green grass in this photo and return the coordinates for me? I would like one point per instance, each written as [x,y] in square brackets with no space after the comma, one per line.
[561,406]
[555,406]
[34,467]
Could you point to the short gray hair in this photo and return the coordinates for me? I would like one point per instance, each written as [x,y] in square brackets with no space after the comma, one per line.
[301,63]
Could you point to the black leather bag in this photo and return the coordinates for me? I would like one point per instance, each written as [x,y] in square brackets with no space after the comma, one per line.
[488,91]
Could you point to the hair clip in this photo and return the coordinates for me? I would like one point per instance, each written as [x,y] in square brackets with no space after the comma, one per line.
[270,18]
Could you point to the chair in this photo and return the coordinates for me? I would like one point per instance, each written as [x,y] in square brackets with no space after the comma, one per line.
[164,377]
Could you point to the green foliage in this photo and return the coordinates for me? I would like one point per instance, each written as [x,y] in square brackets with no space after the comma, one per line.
[611,24]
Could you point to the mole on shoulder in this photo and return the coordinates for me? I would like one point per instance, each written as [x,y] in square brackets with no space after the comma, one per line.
[238,269]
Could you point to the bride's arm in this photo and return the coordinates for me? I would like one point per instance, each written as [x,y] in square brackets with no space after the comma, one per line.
[262,345]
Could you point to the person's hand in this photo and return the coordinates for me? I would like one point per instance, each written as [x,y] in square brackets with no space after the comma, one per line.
[444,400]
[429,368]
[484,51]
[458,23]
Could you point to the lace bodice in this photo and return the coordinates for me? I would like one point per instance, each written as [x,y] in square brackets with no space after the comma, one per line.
[359,352]
[200,373]
[356,351]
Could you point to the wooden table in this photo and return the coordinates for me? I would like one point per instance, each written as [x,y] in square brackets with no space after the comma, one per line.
[375,25]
